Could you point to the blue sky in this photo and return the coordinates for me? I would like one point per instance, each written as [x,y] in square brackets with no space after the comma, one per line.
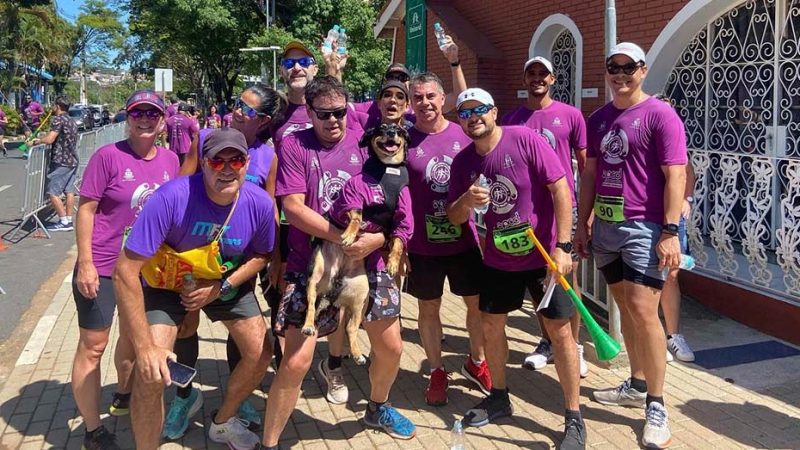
[69,8]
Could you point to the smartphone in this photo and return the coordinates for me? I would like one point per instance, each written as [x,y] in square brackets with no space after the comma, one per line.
[181,374]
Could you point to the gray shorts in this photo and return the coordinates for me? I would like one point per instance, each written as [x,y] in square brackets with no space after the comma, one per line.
[61,180]
[627,251]
[164,307]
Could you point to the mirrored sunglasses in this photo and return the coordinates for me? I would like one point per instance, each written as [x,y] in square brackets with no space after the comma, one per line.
[217,164]
[466,113]
[305,62]
[151,114]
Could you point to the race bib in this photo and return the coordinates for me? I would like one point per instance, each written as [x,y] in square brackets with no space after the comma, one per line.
[514,241]
[440,229]
[609,208]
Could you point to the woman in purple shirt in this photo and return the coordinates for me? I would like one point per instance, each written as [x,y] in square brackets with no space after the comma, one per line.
[213,120]
[119,179]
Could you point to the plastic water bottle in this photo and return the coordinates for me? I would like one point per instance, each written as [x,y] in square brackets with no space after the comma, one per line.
[484,183]
[189,284]
[457,437]
[687,262]
[441,38]
[342,41]
[327,45]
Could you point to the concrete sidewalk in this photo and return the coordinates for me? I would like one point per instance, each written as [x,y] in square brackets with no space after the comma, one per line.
[755,405]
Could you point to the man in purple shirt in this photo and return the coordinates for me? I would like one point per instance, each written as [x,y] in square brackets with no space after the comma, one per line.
[565,130]
[528,191]
[439,249]
[189,213]
[313,166]
[182,131]
[634,182]
[172,109]
[32,111]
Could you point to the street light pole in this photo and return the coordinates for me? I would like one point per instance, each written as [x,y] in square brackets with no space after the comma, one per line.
[274,49]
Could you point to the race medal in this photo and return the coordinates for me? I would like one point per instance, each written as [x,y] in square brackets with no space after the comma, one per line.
[440,229]
[609,208]
[514,241]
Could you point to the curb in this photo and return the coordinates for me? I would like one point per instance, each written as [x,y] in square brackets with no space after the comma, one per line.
[35,345]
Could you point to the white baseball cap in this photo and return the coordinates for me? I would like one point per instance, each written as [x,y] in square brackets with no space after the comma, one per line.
[541,60]
[628,49]
[476,94]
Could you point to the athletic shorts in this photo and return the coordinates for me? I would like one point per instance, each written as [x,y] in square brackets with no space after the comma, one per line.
[164,307]
[61,180]
[463,271]
[627,251]
[503,292]
[383,303]
[95,313]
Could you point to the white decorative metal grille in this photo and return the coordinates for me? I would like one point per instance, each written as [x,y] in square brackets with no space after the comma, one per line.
[737,88]
[563,59]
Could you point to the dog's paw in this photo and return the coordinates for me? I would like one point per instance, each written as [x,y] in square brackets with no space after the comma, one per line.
[309,331]
[360,360]
[392,267]
[348,239]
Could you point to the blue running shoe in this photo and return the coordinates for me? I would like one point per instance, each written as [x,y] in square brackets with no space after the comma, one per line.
[391,421]
[180,411]
[249,413]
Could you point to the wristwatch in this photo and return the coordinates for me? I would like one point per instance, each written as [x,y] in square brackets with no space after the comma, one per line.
[670,228]
[225,289]
[455,64]
[566,246]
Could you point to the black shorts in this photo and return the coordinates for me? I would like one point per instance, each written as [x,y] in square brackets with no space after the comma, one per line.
[503,292]
[462,270]
[96,313]
[164,307]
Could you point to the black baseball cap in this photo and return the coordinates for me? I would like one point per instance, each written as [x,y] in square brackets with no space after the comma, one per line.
[223,138]
[393,84]
[397,67]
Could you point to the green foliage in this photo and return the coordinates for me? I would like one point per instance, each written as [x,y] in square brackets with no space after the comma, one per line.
[14,120]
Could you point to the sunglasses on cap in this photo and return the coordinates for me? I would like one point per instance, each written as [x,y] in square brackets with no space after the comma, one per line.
[627,69]
[151,114]
[397,75]
[304,62]
[326,114]
[247,110]
[466,113]
[217,164]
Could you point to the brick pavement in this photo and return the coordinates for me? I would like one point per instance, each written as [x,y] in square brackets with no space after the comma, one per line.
[37,409]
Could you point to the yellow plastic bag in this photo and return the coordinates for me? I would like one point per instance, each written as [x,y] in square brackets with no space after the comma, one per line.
[166,269]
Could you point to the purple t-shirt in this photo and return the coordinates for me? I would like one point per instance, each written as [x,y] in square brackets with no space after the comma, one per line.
[226,120]
[181,215]
[631,145]
[369,114]
[121,182]
[561,125]
[261,155]
[296,119]
[519,169]
[363,190]
[33,113]
[2,125]
[172,110]
[213,121]
[428,161]
[306,167]
[181,129]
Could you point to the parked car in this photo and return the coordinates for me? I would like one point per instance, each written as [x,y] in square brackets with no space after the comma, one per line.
[79,115]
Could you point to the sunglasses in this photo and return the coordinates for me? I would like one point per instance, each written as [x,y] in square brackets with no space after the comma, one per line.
[305,62]
[627,69]
[325,115]
[397,76]
[151,114]
[247,110]
[217,164]
[466,113]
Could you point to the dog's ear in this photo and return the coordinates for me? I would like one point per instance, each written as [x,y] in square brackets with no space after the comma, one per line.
[366,138]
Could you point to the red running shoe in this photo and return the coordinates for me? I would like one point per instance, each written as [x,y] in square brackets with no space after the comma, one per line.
[478,374]
[436,394]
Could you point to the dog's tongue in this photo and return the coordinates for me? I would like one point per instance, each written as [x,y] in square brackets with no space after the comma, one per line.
[391,147]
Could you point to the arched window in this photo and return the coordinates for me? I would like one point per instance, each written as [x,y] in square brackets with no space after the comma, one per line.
[737,87]
[563,54]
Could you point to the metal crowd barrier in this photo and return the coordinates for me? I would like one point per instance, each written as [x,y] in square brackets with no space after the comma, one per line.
[34,199]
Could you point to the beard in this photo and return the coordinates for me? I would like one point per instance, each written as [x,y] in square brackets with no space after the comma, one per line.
[487,130]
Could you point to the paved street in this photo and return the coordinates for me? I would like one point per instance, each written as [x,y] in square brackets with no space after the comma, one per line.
[755,405]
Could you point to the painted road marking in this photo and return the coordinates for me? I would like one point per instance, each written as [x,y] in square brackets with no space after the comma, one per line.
[33,349]
[4,187]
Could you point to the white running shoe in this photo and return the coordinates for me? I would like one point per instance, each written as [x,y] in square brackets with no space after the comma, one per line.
[584,368]
[677,346]
[656,428]
[234,434]
[622,395]
[541,356]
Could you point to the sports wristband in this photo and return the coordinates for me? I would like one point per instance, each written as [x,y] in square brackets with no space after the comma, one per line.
[455,64]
